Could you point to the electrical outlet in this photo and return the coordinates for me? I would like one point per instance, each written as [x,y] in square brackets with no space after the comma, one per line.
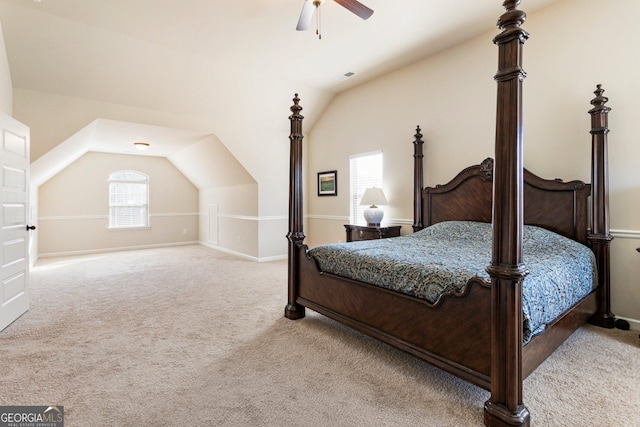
[184,231]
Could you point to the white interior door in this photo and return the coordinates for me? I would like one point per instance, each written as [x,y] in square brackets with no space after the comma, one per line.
[14,208]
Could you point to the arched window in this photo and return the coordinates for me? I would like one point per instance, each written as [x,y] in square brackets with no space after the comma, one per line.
[128,199]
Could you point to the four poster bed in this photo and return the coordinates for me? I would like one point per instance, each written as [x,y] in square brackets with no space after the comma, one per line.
[494,326]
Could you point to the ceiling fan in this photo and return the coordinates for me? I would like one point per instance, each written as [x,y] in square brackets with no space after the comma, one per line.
[353,6]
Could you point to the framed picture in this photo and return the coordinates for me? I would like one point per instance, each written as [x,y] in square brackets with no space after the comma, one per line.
[328,183]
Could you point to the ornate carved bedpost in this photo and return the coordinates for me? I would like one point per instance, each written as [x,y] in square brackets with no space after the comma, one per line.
[418,180]
[600,236]
[295,234]
[505,407]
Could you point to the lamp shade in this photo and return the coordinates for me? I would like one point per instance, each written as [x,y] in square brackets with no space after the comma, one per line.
[373,196]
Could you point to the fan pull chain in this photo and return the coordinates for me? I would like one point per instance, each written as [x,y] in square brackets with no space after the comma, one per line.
[318,22]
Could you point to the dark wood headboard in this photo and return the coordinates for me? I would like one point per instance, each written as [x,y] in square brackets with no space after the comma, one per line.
[559,206]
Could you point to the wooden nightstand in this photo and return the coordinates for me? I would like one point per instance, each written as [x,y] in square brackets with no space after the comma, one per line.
[363,232]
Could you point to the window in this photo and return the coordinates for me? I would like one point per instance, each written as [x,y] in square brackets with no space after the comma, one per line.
[128,199]
[366,171]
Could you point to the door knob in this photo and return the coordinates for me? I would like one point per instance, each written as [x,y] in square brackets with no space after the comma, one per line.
[31,227]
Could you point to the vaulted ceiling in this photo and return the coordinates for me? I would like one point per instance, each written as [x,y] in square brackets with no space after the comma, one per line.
[235,62]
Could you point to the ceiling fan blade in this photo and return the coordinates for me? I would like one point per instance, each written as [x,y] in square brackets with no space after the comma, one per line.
[305,16]
[356,7]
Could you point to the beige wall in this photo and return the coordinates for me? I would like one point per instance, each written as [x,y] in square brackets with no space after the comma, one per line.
[73,206]
[574,45]
[228,219]
[209,164]
[6,87]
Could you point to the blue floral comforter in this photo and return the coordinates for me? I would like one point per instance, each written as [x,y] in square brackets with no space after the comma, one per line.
[443,257]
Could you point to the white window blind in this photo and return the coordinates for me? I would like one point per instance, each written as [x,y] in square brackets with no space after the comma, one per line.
[365,172]
[128,199]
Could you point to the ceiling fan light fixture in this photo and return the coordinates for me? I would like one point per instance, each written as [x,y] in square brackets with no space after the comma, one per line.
[353,6]
[141,146]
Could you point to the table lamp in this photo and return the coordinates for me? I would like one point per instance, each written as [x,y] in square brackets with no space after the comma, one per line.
[372,197]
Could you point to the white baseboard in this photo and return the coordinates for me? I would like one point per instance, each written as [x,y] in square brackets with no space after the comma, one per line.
[228,251]
[163,245]
[635,324]
[273,258]
[241,255]
[120,249]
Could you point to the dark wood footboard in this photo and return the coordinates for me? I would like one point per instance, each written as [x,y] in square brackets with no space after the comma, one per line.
[454,334]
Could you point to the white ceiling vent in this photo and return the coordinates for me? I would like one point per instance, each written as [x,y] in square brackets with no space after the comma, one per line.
[345,76]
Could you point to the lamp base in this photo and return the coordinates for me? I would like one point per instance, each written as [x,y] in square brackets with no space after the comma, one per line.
[373,215]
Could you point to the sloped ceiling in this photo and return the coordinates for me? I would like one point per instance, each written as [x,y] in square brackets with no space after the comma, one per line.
[193,153]
[236,63]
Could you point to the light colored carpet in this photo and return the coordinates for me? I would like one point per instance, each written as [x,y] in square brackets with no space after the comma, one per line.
[191,337]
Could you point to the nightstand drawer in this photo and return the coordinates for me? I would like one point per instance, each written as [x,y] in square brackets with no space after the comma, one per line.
[361,232]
